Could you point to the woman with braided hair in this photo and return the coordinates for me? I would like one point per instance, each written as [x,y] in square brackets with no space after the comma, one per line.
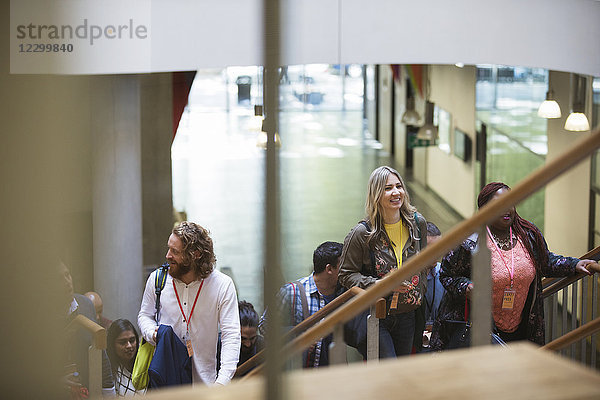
[519,259]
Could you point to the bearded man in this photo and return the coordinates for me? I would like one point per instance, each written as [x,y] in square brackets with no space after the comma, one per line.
[196,302]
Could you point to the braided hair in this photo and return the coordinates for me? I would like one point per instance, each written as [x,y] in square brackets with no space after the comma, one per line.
[520,226]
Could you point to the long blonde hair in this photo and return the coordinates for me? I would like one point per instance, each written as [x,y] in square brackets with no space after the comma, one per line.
[375,190]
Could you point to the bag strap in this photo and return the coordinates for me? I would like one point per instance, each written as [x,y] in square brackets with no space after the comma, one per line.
[302,299]
[371,253]
[293,319]
[417,224]
[304,302]
[160,280]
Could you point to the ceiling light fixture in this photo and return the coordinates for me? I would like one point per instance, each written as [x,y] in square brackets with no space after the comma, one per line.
[410,116]
[577,121]
[428,131]
[549,107]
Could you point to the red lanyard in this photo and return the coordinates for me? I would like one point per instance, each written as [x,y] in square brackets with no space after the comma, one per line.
[187,320]
[511,271]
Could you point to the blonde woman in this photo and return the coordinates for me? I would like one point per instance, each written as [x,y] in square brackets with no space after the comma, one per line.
[392,232]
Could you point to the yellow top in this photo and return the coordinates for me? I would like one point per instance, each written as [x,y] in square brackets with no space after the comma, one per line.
[398,234]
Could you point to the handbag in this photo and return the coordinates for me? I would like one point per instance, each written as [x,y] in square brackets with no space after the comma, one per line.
[139,375]
[459,332]
[459,335]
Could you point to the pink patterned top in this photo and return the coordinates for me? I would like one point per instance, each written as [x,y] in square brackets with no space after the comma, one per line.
[508,320]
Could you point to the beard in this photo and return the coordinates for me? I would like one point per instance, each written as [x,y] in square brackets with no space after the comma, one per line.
[177,270]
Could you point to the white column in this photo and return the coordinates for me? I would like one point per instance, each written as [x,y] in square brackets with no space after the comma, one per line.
[116,194]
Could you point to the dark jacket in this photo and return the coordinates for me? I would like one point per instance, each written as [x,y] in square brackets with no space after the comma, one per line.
[170,364]
[455,275]
[362,265]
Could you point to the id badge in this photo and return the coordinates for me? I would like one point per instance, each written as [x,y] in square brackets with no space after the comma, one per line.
[190,350]
[508,299]
[394,302]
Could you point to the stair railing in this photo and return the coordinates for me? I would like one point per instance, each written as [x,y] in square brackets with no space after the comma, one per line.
[576,335]
[570,303]
[553,285]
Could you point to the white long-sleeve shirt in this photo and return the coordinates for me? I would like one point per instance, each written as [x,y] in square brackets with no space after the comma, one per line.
[216,309]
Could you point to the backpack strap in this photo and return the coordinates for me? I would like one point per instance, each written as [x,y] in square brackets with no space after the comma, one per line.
[418,227]
[371,254]
[302,293]
[419,231]
[160,279]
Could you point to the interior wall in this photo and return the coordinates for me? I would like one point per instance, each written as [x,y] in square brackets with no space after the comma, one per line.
[453,89]
[566,214]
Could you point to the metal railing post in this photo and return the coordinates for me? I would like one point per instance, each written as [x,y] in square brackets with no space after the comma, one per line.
[337,348]
[574,294]
[482,292]
[594,315]
[584,317]
[563,322]
[372,335]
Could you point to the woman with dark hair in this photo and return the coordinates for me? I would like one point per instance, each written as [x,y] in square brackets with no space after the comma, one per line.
[519,259]
[392,232]
[122,347]
[252,342]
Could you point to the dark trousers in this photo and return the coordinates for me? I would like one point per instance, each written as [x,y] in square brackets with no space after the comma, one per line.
[396,334]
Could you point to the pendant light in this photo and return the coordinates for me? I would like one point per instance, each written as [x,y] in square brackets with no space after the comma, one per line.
[549,107]
[410,116]
[428,131]
[577,121]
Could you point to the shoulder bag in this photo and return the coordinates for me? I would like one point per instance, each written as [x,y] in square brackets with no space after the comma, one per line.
[139,375]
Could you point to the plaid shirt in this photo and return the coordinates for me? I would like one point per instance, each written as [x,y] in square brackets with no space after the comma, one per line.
[292,314]
[291,309]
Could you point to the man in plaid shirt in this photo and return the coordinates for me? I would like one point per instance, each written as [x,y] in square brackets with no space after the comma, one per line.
[306,296]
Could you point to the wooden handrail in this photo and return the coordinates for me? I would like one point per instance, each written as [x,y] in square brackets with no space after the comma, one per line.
[575,335]
[97,331]
[553,285]
[310,321]
[447,242]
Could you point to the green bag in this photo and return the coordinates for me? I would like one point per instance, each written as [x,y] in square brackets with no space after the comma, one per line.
[139,375]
